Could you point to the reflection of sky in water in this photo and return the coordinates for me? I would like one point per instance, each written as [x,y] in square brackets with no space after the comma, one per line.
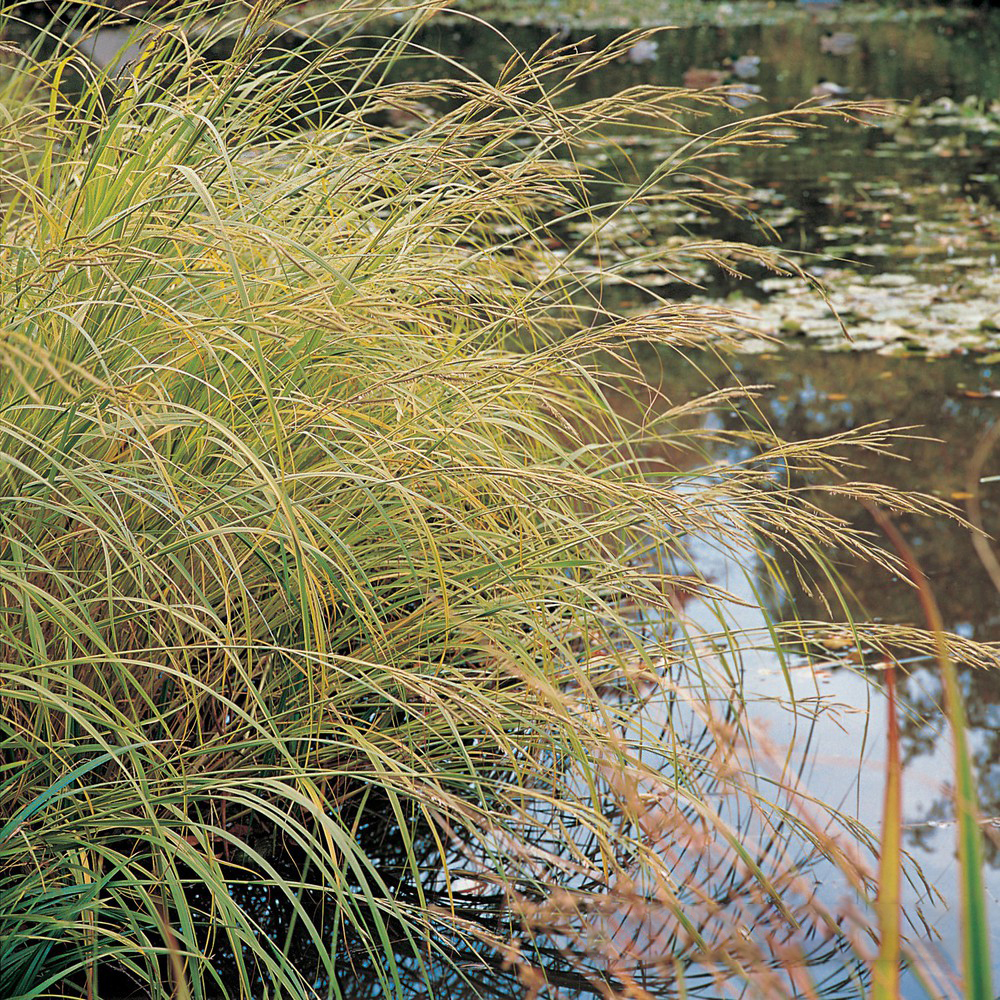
[816,403]
[847,742]
[839,751]
[835,741]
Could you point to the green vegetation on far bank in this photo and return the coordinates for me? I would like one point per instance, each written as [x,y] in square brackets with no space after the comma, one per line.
[598,15]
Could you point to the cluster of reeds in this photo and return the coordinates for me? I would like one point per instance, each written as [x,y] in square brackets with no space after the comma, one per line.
[342,628]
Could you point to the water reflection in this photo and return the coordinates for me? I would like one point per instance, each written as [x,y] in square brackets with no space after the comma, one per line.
[915,54]
[949,406]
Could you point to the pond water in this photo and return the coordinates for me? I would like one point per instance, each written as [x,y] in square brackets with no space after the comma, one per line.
[950,401]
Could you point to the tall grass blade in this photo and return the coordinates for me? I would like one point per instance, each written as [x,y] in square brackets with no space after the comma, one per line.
[974,920]
[888,905]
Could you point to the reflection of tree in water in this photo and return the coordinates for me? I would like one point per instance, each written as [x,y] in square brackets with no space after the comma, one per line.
[817,394]
[921,731]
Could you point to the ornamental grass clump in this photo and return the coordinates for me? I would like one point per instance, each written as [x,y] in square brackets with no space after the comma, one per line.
[342,617]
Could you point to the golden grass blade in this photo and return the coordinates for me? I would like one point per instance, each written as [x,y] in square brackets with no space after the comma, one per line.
[888,904]
[975,933]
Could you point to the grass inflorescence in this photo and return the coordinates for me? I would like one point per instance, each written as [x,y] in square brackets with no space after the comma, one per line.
[342,587]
